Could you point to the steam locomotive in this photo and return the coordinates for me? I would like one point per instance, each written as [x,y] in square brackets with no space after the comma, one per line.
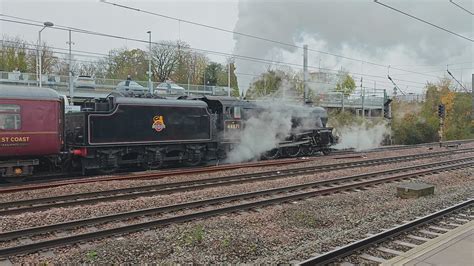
[37,135]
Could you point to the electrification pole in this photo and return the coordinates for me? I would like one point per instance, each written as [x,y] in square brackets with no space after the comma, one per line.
[228,79]
[362,92]
[150,84]
[71,85]
[38,58]
[305,73]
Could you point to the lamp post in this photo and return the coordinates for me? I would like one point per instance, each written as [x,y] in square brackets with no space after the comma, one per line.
[46,24]
[150,85]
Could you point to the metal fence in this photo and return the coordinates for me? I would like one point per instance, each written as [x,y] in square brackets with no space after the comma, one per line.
[373,100]
[102,85]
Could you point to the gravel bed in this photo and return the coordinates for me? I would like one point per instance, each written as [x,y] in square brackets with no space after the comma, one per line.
[20,221]
[108,185]
[276,234]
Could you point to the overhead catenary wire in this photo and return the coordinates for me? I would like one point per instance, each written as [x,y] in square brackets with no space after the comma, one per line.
[447,70]
[237,73]
[257,60]
[424,21]
[251,36]
[67,28]
[266,61]
[198,50]
[336,72]
[461,7]
[440,70]
[451,64]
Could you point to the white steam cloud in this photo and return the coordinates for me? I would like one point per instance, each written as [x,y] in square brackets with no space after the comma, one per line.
[268,127]
[357,29]
[261,133]
[362,137]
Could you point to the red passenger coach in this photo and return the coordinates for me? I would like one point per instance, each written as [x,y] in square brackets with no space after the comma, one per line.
[30,129]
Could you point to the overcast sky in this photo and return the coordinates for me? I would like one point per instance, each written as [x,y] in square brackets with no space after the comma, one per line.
[356,29]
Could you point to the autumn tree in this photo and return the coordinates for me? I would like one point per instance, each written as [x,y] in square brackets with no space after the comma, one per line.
[14,54]
[345,83]
[421,124]
[235,92]
[124,62]
[214,75]
[266,84]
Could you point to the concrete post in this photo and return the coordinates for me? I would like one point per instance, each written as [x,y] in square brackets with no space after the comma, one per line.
[228,80]
[342,101]
[39,59]
[305,72]
[150,84]
[71,85]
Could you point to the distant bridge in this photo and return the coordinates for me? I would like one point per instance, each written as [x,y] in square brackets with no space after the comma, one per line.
[103,87]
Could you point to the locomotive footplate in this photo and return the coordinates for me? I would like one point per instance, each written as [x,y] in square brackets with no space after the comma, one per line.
[17,168]
[291,144]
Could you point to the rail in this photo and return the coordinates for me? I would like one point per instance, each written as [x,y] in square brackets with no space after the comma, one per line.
[347,250]
[278,199]
[39,204]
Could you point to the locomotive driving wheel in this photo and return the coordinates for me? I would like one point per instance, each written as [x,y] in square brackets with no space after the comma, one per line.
[293,151]
[326,151]
[308,151]
[154,161]
[194,158]
[106,167]
[271,154]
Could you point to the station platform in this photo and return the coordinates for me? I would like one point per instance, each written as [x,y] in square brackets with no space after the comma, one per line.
[455,248]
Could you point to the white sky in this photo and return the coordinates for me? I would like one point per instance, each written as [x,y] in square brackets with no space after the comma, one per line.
[96,16]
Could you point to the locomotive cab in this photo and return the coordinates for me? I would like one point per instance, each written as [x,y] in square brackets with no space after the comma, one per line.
[229,116]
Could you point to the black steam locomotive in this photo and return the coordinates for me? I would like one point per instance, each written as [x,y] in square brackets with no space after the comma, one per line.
[148,132]
[36,135]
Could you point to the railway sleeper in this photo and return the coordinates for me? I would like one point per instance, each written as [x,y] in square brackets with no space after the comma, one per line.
[371,258]
[430,233]
[390,251]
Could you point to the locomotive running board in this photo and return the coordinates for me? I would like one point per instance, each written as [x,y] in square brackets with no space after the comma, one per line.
[291,144]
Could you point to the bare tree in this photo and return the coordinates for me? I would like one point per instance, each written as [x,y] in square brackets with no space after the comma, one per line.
[48,60]
[165,57]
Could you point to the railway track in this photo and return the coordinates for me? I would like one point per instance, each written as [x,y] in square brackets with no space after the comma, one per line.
[429,144]
[12,187]
[402,147]
[46,183]
[394,242]
[39,204]
[210,207]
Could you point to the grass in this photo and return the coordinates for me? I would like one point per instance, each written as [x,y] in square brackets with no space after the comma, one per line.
[91,255]
[195,235]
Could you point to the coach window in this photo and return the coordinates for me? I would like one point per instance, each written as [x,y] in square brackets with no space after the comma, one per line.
[10,118]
